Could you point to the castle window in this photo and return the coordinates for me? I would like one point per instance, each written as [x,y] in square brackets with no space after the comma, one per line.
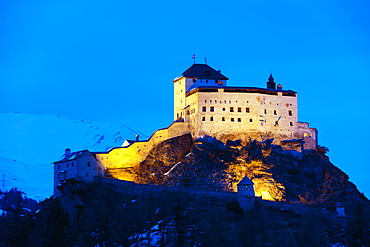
[210,118]
[291,124]
[231,109]
[205,101]
[212,109]
[187,112]
[67,164]
[275,113]
[223,118]
[239,119]
[232,119]
[210,101]
[290,113]
[215,101]
[239,109]
[88,164]
[204,109]
[207,81]
[250,120]
[247,102]
[223,109]
[229,101]
[194,80]
[203,118]
[58,166]
[87,175]
[247,110]
[265,111]
[225,101]
[72,164]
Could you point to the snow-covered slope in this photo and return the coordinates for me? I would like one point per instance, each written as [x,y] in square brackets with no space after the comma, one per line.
[29,143]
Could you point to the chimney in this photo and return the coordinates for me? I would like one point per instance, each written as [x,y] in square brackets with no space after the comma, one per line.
[137,138]
[67,153]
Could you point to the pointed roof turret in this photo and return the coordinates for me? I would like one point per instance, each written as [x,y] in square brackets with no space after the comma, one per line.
[271,78]
[271,84]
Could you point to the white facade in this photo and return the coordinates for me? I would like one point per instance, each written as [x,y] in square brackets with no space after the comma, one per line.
[213,108]
[80,165]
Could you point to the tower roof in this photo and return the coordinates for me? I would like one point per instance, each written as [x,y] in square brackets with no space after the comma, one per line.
[245,181]
[271,78]
[203,71]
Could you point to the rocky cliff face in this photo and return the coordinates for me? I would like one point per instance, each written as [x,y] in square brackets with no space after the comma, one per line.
[209,164]
[306,184]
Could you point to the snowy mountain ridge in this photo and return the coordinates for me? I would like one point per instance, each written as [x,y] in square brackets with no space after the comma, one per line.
[31,142]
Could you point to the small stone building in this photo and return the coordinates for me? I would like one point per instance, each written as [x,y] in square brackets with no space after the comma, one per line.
[81,165]
[246,195]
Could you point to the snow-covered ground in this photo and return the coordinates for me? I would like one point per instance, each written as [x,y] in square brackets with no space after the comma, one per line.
[31,142]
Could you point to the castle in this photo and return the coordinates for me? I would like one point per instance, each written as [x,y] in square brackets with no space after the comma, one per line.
[203,105]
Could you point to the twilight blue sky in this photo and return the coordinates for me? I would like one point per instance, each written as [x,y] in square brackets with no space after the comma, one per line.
[115,61]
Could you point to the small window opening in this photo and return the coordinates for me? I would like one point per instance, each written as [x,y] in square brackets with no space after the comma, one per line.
[275,113]
[204,109]
[212,109]
[223,118]
[265,111]
[210,118]
[203,118]
[239,109]
[250,120]
[232,119]
[231,109]
[290,113]
[239,119]
[247,110]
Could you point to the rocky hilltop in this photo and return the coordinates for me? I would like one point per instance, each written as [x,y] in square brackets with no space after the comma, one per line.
[184,195]
[289,176]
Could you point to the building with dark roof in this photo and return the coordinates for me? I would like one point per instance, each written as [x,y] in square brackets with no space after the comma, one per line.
[203,99]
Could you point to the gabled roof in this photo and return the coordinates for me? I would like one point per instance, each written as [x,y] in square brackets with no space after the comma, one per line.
[202,71]
[245,181]
[72,156]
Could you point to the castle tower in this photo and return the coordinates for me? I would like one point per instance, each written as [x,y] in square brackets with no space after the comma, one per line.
[246,188]
[246,194]
[196,75]
[271,84]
